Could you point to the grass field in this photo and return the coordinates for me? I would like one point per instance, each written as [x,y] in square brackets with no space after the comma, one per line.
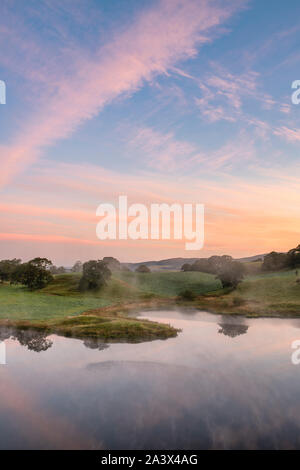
[262,294]
[17,303]
[170,284]
[259,294]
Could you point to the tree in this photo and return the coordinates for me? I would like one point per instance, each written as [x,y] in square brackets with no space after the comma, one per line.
[43,263]
[77,268]
[231,274]
[57,270]
[186,267]
[293,257]
[210,265]
[143,269]
[94,275]
[34,274]
[275,261]
[125,269]
[7,268]
[112,263]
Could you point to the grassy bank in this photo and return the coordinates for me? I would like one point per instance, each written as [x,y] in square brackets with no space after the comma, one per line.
[170,284]
[107,314]
[275,294]
[105,326]
[58,308]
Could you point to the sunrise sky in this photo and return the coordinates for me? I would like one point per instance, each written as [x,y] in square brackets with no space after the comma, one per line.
[162,101]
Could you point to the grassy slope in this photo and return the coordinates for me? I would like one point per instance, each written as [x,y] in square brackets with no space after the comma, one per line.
[60,299]
[17,303]
[170,284]
[275,292]
[262,294]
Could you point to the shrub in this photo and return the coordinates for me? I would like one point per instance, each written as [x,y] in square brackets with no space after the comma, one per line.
[143,269]
[187,295]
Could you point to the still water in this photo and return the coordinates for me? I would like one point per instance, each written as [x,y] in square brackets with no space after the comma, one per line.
[224,383]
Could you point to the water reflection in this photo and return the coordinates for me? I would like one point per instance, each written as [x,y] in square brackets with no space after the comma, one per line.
[95,343]
[232,330]
[38,341]
[200,390]
[34,340]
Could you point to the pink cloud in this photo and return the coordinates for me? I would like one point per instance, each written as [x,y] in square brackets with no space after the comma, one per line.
[242,216]
[223,94]
[162,151]
[157,39]
[291,135]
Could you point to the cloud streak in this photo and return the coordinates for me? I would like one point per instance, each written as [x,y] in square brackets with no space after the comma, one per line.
[157,39]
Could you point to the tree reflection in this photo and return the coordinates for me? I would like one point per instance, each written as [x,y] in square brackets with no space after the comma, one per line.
[232,330]
[34,340]
[94,343]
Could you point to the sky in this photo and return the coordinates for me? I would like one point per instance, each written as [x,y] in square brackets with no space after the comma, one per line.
[165,101]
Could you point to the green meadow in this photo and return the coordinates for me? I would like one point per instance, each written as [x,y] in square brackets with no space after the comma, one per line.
[61,308]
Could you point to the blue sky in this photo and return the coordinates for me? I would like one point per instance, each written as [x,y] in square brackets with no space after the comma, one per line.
[161,100]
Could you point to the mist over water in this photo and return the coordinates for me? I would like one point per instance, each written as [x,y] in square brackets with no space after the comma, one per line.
[224,382]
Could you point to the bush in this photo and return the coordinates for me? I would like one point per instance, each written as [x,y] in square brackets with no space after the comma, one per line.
[238,301]
[187,295]
[143,269]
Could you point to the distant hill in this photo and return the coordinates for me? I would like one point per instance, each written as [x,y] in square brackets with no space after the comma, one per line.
[171,264]
[174,264]
[252,258]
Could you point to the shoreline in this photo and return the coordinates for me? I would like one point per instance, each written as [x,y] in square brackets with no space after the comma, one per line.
[120,322]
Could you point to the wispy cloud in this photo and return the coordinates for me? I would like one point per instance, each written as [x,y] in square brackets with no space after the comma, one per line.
[234,208]
[157,39]
[162,151]
[223,94]
[291,135]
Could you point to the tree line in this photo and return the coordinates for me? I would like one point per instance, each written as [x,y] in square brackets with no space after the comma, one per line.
[275,261]
[38,272]
[226,269]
